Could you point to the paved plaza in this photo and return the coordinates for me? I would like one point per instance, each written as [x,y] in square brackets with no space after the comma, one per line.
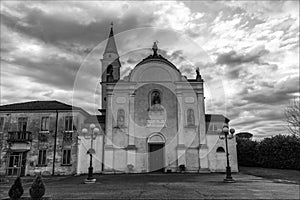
[166,186]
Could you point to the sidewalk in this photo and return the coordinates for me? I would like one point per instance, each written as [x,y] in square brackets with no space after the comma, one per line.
[166,186]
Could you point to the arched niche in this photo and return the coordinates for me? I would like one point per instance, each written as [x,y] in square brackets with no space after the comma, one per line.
[190,117]
[120,118]
[155,97]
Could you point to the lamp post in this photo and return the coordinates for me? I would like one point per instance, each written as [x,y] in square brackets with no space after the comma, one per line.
[226,131]
[93,131]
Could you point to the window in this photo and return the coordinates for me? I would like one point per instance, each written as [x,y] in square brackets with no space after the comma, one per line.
[190,117]
[1,123]
[22,124]
[120,118]
[220,150]
[69,123]
[213,127]
[66,158]
[42,157]
[109,73]
[45,124]
[67,137]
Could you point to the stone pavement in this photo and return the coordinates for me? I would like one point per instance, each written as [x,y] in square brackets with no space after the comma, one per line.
[166,186]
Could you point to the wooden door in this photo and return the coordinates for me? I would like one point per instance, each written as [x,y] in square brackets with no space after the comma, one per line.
[156,157]
[14,164]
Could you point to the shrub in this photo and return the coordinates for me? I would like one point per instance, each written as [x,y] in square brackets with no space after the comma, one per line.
[16,190]
[181,168]
[281,151]
[37,189]
[247,152]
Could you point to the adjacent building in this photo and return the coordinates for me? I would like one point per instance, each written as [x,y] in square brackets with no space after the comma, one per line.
[39,136]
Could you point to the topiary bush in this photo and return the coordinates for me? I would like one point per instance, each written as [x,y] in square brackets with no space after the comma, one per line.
[181,168]
[16,190]
[37,189]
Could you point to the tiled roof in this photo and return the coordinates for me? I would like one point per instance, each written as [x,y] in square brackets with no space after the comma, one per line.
[95,119]
[216,118]
[39,105]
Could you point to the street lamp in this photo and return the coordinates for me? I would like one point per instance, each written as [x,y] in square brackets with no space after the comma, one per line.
[226,131]
[93,131]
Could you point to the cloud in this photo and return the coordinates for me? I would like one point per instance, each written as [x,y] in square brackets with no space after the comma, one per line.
[247,52]
[233,58]
[278,95]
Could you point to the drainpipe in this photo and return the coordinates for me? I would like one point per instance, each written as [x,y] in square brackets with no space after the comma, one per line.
[54,148]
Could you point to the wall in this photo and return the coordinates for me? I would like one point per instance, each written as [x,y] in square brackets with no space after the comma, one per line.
[33,125]
[142,132]
[84,144]
[217,161]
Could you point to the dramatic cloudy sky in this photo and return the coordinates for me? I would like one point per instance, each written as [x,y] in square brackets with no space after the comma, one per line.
[247,52]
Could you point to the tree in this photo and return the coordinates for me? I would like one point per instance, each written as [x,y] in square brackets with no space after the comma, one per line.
[292,116]
[247,152]
[37,189]
[16,190]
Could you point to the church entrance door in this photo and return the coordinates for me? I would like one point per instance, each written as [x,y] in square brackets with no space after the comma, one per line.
[156,157]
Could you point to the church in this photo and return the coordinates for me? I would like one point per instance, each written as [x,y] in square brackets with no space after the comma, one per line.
[152,120]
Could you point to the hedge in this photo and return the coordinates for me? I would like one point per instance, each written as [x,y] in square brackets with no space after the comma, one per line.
[280,151]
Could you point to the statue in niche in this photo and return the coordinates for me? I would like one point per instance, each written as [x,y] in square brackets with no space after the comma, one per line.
[155,98]
[190,117]
[121,118]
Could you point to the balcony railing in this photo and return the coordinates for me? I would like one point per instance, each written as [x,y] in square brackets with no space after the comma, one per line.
[19,136]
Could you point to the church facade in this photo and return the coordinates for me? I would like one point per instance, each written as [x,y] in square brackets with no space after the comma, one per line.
[155,120]
[152,120]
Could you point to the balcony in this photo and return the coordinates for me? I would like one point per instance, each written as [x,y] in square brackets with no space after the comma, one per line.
[19,136]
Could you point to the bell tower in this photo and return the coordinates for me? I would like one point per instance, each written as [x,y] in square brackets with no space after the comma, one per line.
[110,66]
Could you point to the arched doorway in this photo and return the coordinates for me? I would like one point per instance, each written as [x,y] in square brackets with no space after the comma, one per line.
[156,156]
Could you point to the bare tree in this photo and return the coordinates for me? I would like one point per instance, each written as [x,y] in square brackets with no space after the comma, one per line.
[292,115]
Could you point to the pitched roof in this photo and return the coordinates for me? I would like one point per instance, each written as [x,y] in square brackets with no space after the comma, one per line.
[39,105]
[216,118]
[95,119]
[111,46]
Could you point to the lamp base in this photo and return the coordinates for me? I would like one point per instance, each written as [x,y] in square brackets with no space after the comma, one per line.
[229,180]
[88,181]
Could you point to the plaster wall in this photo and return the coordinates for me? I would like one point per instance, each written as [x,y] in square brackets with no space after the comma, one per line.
[84,144]
[217,160]
[34,126]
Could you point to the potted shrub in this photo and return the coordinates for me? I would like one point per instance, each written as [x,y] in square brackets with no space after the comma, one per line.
[130,167]
[37,189]
[182,168]
[16,190]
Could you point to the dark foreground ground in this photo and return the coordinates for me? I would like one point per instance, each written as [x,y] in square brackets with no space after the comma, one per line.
[267,185]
